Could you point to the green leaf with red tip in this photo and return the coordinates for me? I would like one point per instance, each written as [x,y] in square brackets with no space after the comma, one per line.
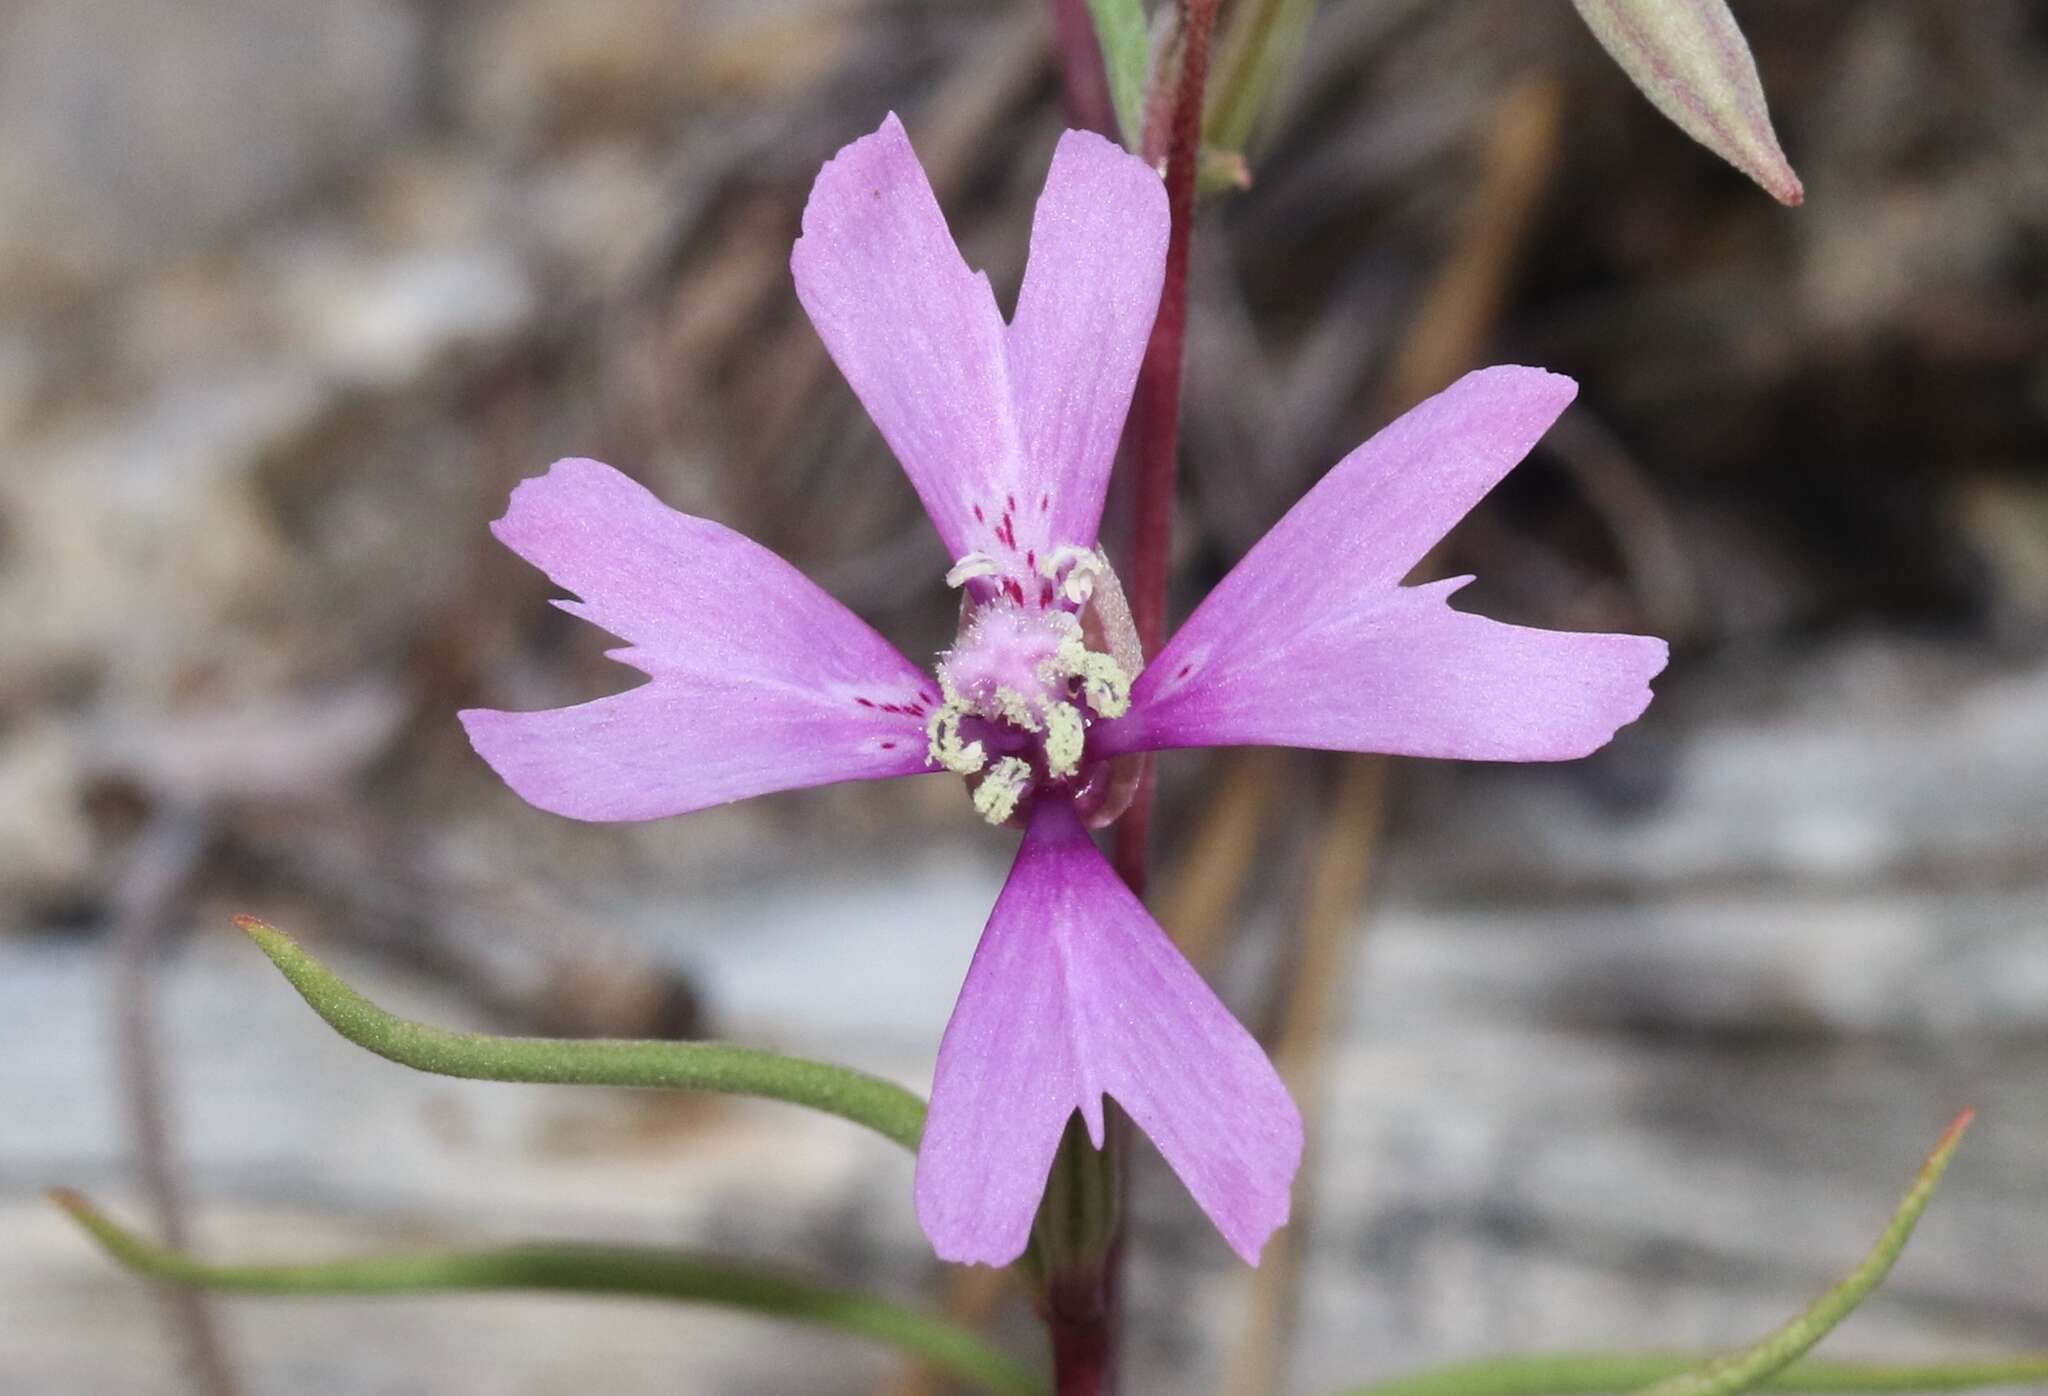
[1690,59]
[882,1106]
[1611,1374]
[1772,1365]
[1745,1370]
[625,1271]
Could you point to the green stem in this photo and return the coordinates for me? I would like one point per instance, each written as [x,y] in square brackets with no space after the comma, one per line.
[882,1106]
[563,1269]
[1587,1374]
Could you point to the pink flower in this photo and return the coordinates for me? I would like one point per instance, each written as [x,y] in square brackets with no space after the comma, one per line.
[759,681]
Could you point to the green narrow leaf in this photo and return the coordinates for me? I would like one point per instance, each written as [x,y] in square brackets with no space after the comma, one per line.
[1603,1374]
[882,1106]
[1127,58]
[1690,59]
[1259,50]
[1743,1370]
[634,1272]
[1768,1365]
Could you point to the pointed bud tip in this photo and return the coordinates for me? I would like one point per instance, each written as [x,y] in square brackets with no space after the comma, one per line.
[1691,60]
[1771,172]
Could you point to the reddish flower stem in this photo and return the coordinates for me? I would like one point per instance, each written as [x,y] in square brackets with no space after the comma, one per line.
[1081,1310]
[1081,1307]
[1155,412]
[1083,1342]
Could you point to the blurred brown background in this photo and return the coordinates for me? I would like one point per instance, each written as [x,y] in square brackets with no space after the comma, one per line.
[1636,1052]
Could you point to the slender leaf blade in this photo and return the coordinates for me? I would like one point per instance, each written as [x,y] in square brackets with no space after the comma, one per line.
[1744,1370]
[882,1106]
[1608,1374]
[624,1271]
[1771,1365]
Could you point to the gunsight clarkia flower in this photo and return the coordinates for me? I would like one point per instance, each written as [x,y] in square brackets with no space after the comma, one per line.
[759,681]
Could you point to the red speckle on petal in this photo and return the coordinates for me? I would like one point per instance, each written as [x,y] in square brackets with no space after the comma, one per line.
[979,517]
[1045,504]
[865,702]
[888,746]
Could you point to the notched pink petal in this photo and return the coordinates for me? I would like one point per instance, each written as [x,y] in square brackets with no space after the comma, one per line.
[916,333]
[1075,993]
[758,680]
[1007,432]
[1404,675]
[1091,290]
[1378,511]
[1311,641]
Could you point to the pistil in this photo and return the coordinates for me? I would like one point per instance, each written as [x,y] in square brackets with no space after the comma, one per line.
[1021,684]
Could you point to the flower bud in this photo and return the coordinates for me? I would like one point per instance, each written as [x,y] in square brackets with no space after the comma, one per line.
[1690,59]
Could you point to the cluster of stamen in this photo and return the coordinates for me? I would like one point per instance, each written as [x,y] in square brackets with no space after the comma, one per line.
[1022,684]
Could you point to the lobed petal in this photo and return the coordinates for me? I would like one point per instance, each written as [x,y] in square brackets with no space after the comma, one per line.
[1311,641]
[1404,675]
[1007,432]
[759,681]
[1084,314]
[916,333]
[1075,993]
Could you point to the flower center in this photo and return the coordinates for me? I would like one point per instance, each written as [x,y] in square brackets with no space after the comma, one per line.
[1023,683]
